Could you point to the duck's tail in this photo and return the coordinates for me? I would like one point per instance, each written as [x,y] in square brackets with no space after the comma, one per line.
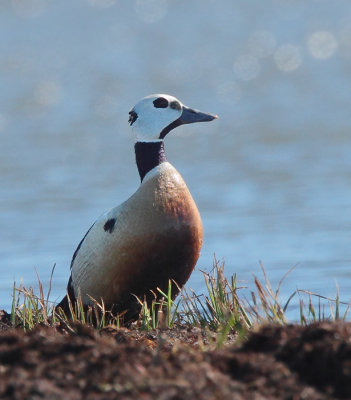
[70,298]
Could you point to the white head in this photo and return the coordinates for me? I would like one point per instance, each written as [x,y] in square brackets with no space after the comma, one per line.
[156,115]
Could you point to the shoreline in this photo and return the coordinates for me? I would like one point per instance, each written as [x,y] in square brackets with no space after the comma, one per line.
[217,345]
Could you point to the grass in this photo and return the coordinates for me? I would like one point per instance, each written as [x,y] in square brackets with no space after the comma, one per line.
[225,308]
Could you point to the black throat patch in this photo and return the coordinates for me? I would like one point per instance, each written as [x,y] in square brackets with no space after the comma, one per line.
[148,155]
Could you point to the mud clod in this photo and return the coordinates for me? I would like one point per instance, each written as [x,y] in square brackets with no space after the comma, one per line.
[275,362]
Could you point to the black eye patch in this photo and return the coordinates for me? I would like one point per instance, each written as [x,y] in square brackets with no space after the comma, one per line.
[132,117]
[160,102]
[175,105]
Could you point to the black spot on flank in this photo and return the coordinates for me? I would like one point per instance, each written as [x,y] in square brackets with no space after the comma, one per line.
[132,117]
[161,102]
[109,225]
[175,105]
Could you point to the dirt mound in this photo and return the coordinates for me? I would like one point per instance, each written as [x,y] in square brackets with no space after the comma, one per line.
[290,362]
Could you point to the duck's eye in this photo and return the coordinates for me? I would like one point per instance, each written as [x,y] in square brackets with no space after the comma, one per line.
[160,102]
[175,105]
[132,117]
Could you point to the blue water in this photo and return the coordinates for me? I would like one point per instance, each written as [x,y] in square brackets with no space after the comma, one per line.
[271,177]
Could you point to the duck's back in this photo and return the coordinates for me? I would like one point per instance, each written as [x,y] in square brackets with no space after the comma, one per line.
[154,236]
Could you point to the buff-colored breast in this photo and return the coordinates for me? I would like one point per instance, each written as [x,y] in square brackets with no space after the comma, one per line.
[157,236]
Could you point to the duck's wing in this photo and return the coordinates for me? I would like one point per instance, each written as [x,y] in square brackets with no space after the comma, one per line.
[154,236]
[79,246]
[70,296]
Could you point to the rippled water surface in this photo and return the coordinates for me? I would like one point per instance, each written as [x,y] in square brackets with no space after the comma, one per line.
[271,177]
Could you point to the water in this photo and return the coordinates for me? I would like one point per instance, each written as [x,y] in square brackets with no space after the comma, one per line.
[271,177]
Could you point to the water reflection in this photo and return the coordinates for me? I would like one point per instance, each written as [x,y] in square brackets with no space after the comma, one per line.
[102,3]
[322,44]
[29,8]
[288,57]
[47,93]
[262,43]
[151,11]
[271,177]
[246,67]
[229,92]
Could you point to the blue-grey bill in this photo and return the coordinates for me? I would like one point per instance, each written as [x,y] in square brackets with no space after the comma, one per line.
[189,116]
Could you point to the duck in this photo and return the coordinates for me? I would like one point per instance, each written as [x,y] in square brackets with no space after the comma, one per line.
[134,250]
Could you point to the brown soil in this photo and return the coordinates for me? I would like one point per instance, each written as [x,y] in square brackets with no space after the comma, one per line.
[275,362]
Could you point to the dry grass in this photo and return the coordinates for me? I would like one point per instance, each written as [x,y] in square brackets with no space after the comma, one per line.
[224,308]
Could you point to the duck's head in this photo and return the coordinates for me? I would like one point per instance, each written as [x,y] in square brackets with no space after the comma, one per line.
[156,115]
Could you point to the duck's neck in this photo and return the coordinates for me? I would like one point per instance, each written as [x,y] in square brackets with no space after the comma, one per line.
[148,155]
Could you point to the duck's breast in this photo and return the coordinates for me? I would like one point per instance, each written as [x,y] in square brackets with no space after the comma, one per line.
[154,236]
